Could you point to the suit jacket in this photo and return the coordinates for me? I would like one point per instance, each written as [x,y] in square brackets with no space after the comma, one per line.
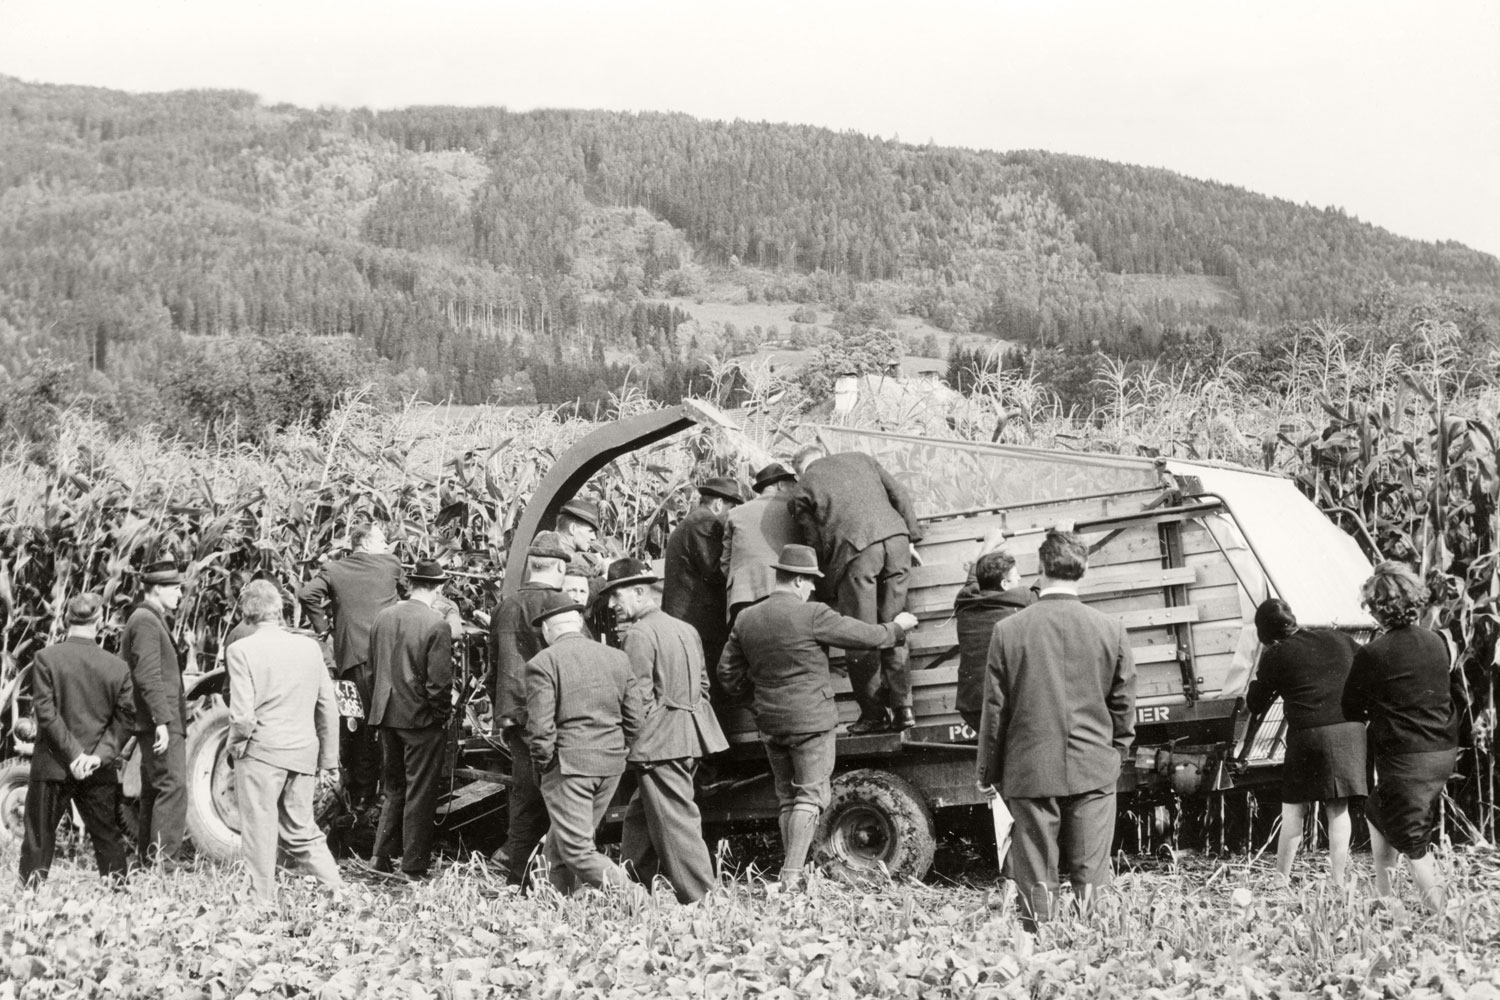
[282,706]
[513,641]
[1059,701]
[847,502]
[354,589]
[754,535]
[83,701]
[677,719]
[411,651]
[155,671]
[976,613]
[583,707]
[692,580]
[779,649]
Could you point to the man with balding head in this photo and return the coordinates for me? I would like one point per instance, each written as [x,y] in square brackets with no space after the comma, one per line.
[583,712]
[692,579]
[83,702]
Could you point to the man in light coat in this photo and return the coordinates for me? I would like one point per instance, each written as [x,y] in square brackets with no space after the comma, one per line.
[353,590]
[692,577]
[583,711]
[1057,720]
[862,524]
[754,535]
[283,732]
[160,715]
[83,703]
[778,650]
[663,829]
[411,649]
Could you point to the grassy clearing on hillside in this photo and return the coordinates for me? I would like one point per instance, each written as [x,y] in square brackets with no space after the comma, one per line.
[1212,928]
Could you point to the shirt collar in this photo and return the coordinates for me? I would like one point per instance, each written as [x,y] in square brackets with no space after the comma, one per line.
[1059,590]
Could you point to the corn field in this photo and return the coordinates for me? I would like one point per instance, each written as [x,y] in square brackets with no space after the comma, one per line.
[1403,453]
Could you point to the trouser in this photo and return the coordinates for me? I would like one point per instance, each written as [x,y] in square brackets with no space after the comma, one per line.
[802,773]
[163,807]
[47,803]
[576,804]
[413,767]
[276,809]
[872,588]
[527,813]
[359,748]
[1074,831]
[663,832]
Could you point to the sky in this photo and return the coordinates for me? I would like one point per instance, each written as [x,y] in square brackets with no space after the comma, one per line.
[1389,110]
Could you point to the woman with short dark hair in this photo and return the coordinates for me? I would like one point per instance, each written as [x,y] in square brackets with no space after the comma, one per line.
[1400,682]
[1325,752]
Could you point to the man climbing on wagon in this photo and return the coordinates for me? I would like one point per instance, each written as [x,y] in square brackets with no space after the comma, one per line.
[862,524]
[778,652]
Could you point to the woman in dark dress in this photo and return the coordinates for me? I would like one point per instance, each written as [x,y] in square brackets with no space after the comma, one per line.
[1401,683]
[1325,752]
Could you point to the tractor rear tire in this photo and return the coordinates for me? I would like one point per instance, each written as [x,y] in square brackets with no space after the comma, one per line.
[876,819]
[15,775]
[213,812]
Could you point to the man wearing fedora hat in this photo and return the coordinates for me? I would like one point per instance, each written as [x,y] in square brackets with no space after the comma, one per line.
[693,580]
[82,699]
[352,591]
[411,649]
[583,711]
[513,641]
[862,524]
[663,829]
[160,714]
[754,535]
[778,652]
[578,529]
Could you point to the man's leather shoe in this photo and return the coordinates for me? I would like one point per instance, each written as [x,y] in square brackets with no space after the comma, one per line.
[382,866]
[905,719]
[870,724]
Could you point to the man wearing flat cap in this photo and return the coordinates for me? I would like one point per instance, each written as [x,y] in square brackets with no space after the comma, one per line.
[583,711]
[160,714]
[411,649]
[83,702]
[754,535]
[578,527]
[352,591]
[778,652]
[513,641]
[663,829]
[693,580]
[862,524]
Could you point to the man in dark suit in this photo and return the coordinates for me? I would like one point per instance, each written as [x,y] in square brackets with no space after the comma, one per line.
[692,579]
[513,641]
[862,524]
[992,593]
[82,698]
[354,590]
[1058,719]
[283,731]
[160,715]
[583,711]
[411,649]
[754,535]
[663,828]
[778,649]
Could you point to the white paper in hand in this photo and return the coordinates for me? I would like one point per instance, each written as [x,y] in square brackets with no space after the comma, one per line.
[1003,823]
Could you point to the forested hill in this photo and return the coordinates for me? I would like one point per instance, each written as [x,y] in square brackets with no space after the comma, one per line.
[476,243]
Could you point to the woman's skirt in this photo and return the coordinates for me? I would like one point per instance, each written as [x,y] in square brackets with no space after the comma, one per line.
[1324,763]
[1403,806]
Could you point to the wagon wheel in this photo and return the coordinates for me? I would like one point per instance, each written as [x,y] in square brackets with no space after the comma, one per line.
[876,818]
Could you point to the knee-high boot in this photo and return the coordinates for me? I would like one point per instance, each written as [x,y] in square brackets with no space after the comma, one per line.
[802,826]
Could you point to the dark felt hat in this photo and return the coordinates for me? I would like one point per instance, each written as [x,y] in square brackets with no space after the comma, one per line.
[549,545]
[626,573]
[722,487]
[163,573]
[429,571]
[556,604]
[84,608]
[586,511]
[771,474]
[798,559]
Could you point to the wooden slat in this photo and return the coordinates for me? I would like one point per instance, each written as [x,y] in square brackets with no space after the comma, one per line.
[1150,617]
